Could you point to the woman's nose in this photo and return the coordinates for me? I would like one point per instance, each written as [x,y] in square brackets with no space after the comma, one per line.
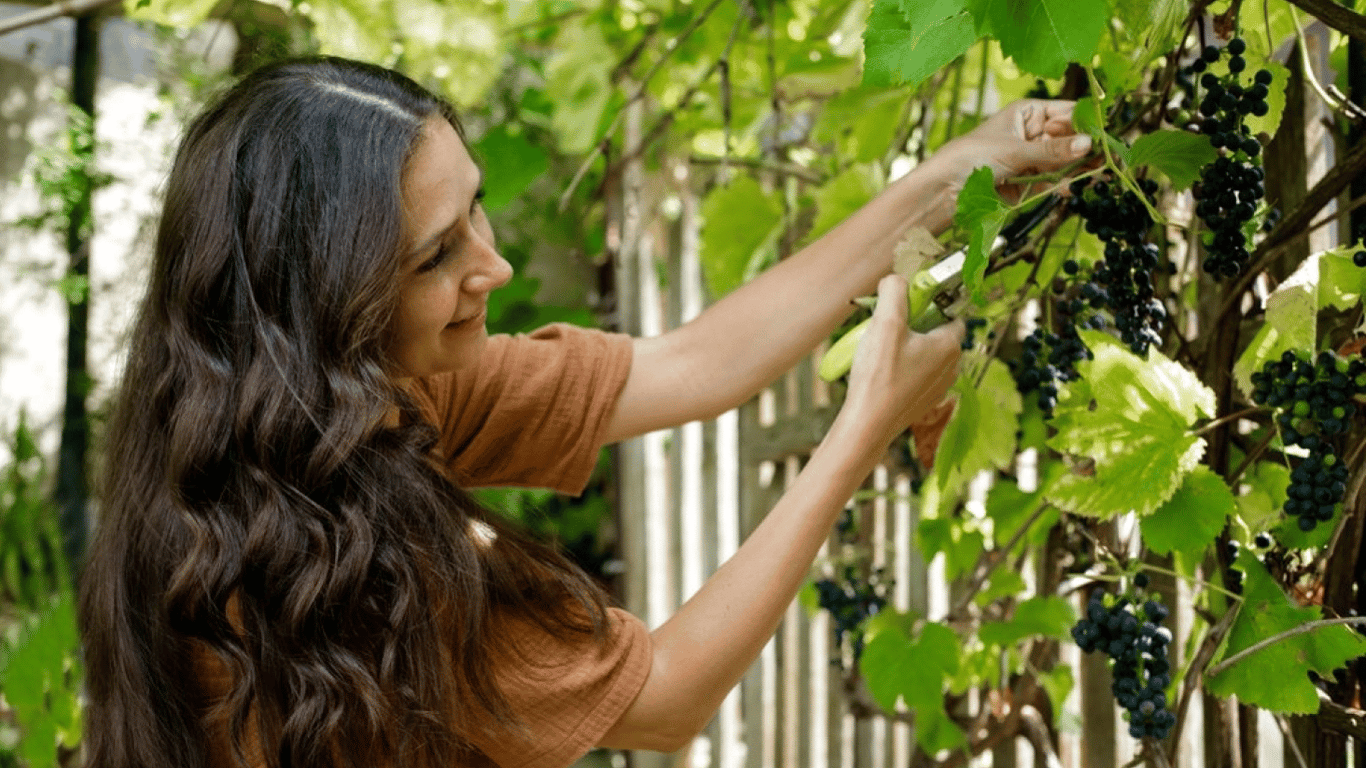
[493,271]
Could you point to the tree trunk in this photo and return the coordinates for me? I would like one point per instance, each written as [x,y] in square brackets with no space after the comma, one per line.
[72,487]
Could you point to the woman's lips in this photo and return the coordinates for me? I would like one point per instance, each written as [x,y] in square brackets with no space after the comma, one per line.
[467,322]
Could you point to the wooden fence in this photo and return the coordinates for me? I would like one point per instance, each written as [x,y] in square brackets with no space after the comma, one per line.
[689,496]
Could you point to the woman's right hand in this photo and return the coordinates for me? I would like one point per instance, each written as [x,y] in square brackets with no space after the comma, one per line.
[898,375]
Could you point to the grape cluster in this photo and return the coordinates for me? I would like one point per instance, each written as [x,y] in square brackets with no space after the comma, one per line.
[1048,359]
[1315,402]
[1137,644]
[1124,280]
[852,601]
[1232,185]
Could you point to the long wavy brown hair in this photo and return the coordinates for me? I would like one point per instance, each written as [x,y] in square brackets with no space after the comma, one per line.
[261,507]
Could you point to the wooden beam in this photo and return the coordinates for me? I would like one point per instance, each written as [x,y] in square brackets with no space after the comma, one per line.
[53,11]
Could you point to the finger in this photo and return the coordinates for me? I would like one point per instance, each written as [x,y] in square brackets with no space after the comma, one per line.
[1048,154]
[892,295]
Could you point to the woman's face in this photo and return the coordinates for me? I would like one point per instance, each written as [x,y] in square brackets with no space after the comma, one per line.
[450,263]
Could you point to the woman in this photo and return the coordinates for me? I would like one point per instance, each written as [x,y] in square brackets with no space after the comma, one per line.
[287,572]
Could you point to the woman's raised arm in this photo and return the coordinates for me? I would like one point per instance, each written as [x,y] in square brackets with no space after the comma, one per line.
[750,337]
[701,652]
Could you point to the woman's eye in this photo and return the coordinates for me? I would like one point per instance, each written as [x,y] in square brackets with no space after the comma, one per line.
[435,261]
[478,198]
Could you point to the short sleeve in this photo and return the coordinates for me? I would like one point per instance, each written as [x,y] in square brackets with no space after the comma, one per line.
[533,412]
[568,694]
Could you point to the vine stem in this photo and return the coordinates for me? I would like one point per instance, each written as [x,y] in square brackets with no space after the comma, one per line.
[988,559]
[1290,739]
[1194,581]
[1222,666]
[1109,158]
[1345,108]
[1226,419]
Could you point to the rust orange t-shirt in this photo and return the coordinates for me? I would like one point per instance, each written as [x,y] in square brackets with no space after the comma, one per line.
[532,414]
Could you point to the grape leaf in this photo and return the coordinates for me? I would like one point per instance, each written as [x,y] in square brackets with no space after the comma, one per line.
[1004,581]
[1057,683]
[841,196]
[1009,507]
[950,535]
[907,41]
[1137,434]
[1291,323]
[1275,100]
[579,74]
[1260,508]
[1341,282]
[981,433]
[737,220]
[1042,36]
[1086,120]
[1179,155]
[35,675]
[1046,616]
[518,163]
[1192,517]
[1274,677]
[981,213]
[899,668]
[183,14]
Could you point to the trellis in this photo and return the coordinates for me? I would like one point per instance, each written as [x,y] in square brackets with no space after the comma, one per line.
[690,495]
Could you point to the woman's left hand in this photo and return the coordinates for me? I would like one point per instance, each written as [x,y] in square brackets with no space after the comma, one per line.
[1027,137]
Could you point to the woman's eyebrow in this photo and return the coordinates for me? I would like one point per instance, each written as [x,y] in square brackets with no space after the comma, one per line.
[435,238]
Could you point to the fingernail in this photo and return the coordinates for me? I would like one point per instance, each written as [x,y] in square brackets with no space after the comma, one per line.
[1081,144]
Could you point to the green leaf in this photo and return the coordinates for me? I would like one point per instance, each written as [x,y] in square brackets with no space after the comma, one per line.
[981,213]
[1192,517]
[897,668]
[960,544]
[1137,433]
[1179,155]
[38,675]
[1260,508]
[907,41]
[981,433]
[1004,582]
[579,74]
[840,197]
[1341,282]
[1274,678]
[1037,616]
[737,220]
[182,14]
[1009,507]
[1086,120]
[864,120]
[1275,99]
[1042,36]
[513,163]
[1057,683]
[1291,323]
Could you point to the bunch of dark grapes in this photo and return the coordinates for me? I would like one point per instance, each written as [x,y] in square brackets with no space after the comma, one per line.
[852,601]
[1048,359]
[1124,279]
[1137,645]
[1232,185]
[1315,402]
